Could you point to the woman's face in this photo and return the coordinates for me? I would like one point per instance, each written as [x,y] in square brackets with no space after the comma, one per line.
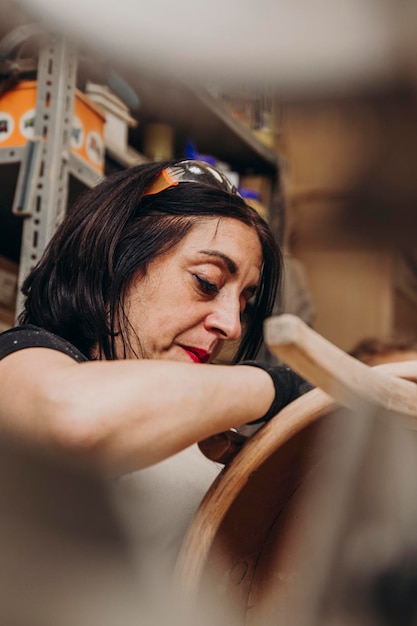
[191,299]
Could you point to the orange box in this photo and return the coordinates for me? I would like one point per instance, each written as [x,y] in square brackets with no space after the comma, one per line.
[87,135]
[17,118]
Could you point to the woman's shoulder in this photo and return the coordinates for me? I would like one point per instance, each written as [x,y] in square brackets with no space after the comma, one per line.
[29,336]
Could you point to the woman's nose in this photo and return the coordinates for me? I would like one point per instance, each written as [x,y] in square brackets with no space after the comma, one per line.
[225,319]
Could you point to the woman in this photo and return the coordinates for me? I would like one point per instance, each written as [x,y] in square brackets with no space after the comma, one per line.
[376,351]
[139,289]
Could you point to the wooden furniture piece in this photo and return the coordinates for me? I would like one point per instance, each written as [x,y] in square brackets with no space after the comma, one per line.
[261,546]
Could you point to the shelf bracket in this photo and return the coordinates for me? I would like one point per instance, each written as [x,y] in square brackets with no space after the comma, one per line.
[28,175]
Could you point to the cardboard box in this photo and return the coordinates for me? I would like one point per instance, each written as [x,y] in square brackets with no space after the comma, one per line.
[118,118]
[6,319]
[260,184]
[8,283]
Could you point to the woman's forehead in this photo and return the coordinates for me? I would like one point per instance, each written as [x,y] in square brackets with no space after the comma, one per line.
[227,236]
[218,228]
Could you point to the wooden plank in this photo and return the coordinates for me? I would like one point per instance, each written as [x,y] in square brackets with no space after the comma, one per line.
[350,382]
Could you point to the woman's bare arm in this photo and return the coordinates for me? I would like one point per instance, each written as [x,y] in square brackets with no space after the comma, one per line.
[124,415]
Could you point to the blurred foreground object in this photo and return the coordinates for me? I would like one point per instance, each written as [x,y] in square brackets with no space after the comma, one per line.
[302,46]
[65,558]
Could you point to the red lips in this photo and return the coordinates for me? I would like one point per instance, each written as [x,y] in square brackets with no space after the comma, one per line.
[197,355]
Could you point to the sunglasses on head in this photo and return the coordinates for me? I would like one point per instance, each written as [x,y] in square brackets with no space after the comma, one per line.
[189,171]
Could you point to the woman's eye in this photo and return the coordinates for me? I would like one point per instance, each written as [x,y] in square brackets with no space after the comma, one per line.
[206,286]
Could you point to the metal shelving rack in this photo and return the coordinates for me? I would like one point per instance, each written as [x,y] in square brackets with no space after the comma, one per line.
[46,162]
[43,178]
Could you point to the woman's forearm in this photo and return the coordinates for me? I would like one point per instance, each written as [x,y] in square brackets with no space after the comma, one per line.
[141,412]
[126,415]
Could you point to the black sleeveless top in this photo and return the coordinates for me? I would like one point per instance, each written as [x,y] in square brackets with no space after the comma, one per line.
[29,336]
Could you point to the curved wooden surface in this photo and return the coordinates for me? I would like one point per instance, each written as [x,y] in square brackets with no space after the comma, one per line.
[198,541]
[249,506]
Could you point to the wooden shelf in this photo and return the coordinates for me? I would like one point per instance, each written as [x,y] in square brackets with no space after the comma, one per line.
[239,141]
[195,114]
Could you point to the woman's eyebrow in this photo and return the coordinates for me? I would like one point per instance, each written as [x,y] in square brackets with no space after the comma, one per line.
[231,265]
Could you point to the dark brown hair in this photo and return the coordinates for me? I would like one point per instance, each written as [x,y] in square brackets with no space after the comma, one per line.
[370,348]
[78,288]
